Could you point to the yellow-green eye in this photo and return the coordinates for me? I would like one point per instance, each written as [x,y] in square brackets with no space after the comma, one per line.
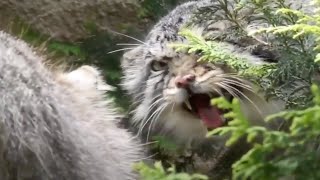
[158,65]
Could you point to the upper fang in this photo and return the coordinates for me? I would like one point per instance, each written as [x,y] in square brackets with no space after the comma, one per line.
[188,105]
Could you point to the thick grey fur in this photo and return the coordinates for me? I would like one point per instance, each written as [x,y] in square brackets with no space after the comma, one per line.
[144,86]
[50,130]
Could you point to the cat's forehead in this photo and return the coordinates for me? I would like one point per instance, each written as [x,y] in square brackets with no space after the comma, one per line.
[164,50]
[183,60]
[161,44]
[174,58]
[162,53]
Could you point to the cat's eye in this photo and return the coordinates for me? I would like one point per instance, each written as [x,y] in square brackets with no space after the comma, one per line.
[158,65]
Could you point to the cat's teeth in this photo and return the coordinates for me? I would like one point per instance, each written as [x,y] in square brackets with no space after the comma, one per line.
[188,105]
[222,118]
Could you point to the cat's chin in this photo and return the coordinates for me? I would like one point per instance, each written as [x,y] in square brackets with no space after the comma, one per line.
[183,126]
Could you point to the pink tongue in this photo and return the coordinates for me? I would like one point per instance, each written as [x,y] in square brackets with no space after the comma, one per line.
[209,114]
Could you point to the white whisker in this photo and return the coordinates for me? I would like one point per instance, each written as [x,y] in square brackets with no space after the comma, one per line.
[234,76]
[154,119]
[123,49]
[146,121]
[243,95]
[127,44]
[230,74]
[146,144]
[242,85]
[145,158]
[129,37]
[217,90]
[173,106]
[227,89]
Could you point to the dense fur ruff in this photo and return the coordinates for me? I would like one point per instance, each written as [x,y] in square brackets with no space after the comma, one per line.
[160,80]
[58,126]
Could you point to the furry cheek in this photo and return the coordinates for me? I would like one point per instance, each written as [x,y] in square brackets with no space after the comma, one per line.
[175,95]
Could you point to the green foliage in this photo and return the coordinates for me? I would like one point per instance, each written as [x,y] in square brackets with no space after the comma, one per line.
[57,48]
[305,25]
[164,144]
[291,80]
[280,154]
[239,124]
[65,49]
[291,154]
[159,173]
[293,75]
[214,51]
[90,26]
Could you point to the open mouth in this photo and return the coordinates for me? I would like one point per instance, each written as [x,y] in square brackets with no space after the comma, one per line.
[199,105]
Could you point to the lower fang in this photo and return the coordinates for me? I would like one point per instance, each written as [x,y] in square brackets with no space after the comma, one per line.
[188,105]
[223,118]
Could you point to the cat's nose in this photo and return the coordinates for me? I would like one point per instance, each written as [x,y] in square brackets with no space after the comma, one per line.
[184,81]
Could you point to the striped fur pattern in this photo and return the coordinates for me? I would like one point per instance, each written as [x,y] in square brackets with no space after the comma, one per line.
[150,70]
